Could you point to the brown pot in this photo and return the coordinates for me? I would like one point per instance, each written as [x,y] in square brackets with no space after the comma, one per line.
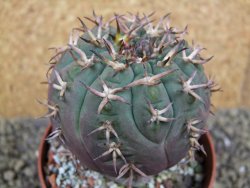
[205,140]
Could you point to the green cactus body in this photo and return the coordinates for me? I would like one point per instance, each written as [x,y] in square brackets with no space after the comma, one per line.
[115,115]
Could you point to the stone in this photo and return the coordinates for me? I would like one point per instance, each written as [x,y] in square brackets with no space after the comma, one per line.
[198,177]
[9,175]
[28,172]
[18,165]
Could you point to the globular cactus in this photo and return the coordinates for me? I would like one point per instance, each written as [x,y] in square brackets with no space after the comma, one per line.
[129,100]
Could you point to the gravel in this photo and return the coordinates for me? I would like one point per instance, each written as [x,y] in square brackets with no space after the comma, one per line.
[231,132]
[19,140]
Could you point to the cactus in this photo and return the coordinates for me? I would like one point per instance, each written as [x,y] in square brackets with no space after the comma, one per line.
[128,100]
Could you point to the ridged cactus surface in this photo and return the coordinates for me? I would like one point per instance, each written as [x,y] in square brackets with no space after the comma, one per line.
[129,97]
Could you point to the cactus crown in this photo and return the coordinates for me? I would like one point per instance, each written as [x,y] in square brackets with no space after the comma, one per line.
[129,100]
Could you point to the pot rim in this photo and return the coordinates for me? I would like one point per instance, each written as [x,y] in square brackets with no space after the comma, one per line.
[42,152]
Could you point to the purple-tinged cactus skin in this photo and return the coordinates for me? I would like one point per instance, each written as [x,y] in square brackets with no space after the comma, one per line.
[131,99]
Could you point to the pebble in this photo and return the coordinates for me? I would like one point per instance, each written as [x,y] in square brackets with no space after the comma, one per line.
[28,172]
[242,169]
[19,165]
[198,177]
[8,175]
